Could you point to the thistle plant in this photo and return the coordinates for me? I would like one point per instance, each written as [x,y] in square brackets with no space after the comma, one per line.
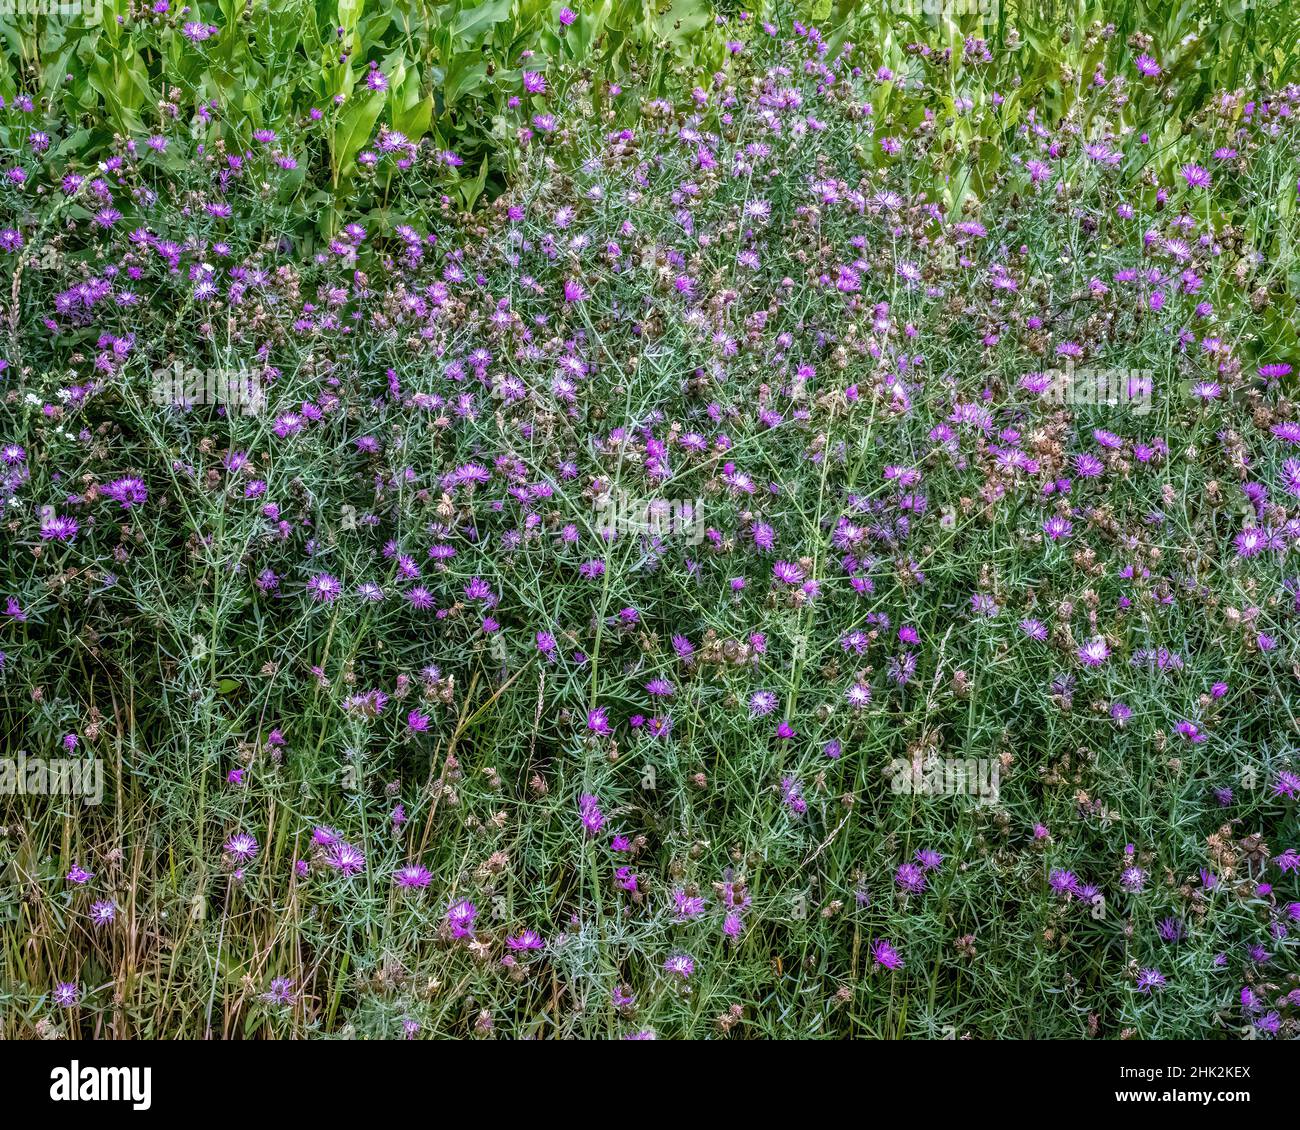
[810,553]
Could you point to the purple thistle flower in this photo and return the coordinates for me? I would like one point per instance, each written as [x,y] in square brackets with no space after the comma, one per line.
[346,858]
[241,847]
[910,878]
[1149,979]
[590,814]
[412,877]
[59,528]
[129,492]
[1063,883]
[681,964]
[460,917]
[884,954]
[323,587]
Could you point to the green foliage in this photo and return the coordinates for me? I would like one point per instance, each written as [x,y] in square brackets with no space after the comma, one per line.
[452,67]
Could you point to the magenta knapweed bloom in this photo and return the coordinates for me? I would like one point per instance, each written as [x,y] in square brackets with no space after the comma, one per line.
[280,991]
[417,722]
[910,878]
[323,587]
[1287,784]
[460,917]
[792,794]
[884,955]
[412,877]
[1094,653]
[1088,466]
[346,858]
[1133,879]
[59,528]
[590,814]
[787,572]
[1063,883]
[129,492]
[681,964]
[241,847]
[1150,979]
[686,906]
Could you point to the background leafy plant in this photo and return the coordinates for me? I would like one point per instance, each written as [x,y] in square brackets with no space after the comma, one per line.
[453,66]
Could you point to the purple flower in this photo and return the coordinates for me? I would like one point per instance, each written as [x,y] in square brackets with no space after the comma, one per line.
[1287,784]
[241,847]
[681,964]
[346,858]
[787,572]
[686,906]
[1149,979]
[884,954]
[1133,879]
[59,527]
[590,814]
[1094,653]
[323,587]
[910,878]
[792,794]
[280,992]
[129,492]
[1063,883]
[928,858]
[460,917]
[417,722]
